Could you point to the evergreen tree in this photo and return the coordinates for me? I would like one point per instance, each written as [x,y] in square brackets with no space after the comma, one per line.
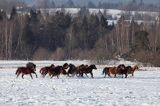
[13,13]
[141,41]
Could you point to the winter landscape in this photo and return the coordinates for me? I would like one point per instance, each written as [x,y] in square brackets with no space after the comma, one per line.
[107,33]
[140,90]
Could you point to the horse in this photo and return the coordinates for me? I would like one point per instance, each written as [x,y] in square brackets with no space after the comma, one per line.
[44,70]
[55,71]
[132,70]
[79,70]
[72,70]
[65,66]
[31,65]
[109,70]
[121,69]
[88,69]
[25,71]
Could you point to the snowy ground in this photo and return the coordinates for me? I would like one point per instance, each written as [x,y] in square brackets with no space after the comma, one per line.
[141,90]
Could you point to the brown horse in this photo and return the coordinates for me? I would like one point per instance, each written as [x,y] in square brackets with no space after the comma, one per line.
[132,70]
[44,70]
[72,70]
[25,71]
[109,70]
[55,71]
[31,65]
[121,70]
[65,66]
[88,69]
[79,70]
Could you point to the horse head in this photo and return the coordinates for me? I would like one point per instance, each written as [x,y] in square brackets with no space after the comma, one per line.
[52,66]
[93,66]
[65,65]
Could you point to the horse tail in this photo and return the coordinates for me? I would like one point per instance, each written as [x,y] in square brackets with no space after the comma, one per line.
[41,70]
[104,71]
[18,71]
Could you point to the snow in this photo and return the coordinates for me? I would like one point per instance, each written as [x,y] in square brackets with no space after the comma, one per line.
[140,90]
[113,12]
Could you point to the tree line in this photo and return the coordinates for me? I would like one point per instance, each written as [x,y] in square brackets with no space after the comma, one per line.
[34,36]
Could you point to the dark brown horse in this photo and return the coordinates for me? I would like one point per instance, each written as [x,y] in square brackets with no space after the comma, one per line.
[25,71]
[72,70]
[31,65]
[132,69]
[122,70]
[56,71]
[44,70]
[88,69]
[65,66]
[29,69]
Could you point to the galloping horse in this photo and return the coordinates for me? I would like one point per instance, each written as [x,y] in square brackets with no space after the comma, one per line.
[132,70]
[121,70]
[72,70]
[88,69]
[44,70]
[56,71]
[29,69]
[65,66]
[109,70]
[79,69]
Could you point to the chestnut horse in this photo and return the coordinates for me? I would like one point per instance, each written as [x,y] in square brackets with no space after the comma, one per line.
[25,71]
[121,70]
[109,70]
[29,69]
[44,70]
[88,69]
[132,70]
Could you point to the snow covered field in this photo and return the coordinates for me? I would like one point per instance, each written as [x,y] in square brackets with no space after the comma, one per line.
[141,90]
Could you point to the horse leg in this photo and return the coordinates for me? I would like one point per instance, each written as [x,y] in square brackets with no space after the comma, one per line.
[18,74]
[52,75]
[77,74]
[31,75]
[82,75]
[58,76]
[104,75]
[87,75]
[45,73]
[22,76]
[132,74]
[109,75]
[115,76]
[36,75]
[126,75]
[68,75]
[92,75]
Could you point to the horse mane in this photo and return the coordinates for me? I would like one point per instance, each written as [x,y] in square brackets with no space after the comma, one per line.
[135,67]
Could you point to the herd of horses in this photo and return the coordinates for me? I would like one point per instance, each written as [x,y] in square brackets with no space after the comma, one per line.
[71,70]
